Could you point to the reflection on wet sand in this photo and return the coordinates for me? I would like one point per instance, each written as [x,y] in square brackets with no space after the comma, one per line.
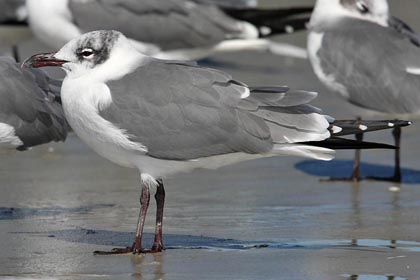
[151,264]
[373,277]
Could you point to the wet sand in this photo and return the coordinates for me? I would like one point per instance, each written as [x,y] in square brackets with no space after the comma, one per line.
[263,219]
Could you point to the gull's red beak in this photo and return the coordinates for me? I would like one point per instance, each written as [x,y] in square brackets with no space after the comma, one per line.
[42,60]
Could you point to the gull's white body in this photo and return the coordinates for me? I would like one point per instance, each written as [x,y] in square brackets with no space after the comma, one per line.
[84,93]
[114,144]
[57,29]
[8,137]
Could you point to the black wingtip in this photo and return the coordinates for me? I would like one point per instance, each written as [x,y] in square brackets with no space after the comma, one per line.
[13,23]
[337,143]
[350,127]
[276,21]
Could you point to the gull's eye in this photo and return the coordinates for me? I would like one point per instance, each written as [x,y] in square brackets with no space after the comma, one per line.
[362,7]
[87,53]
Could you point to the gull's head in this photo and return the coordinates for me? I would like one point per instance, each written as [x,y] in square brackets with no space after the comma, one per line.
[376,11]
[89,53]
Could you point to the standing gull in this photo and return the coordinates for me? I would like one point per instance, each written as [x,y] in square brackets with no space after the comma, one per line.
[367,56]
[168,29]
[164,117]
[30,111]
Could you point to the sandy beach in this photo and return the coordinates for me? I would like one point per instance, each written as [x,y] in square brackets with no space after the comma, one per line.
[263,219]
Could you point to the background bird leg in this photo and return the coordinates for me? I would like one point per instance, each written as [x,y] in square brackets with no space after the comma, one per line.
[397,137]
[15,52]
[356,164]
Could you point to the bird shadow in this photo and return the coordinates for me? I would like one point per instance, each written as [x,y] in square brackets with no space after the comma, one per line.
[343,169]
[192,242]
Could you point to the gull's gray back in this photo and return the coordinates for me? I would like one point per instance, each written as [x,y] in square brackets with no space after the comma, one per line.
[371,61]
[181,111]
[28,103]
[170,24]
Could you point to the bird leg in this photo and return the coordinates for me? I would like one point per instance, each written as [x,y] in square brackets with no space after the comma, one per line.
[396,132]
[144,205]
[356,164]
[160,201]
[397,137]
[15,52]
[355,176]
[136,248]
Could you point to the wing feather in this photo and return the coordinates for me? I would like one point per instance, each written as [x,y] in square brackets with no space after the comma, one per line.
[185,112]
[30,105]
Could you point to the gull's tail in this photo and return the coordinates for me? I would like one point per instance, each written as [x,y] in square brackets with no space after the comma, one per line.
[273,21]
[349,127]
[298,128]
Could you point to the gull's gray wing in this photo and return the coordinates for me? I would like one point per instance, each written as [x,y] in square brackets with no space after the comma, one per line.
[182,111]
[169,24]
[403,28]
[232,3]
[378,66]
[29,104]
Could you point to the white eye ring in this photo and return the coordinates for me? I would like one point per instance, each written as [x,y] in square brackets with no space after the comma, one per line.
[87,53]
[363,8]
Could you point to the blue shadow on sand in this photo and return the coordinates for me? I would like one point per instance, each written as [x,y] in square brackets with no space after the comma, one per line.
[10,213]
[343,169]
[191,242]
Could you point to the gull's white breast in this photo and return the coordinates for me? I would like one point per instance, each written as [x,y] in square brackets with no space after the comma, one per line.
[82,101]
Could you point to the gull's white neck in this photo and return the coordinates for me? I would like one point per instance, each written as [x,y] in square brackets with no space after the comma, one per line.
[85,93]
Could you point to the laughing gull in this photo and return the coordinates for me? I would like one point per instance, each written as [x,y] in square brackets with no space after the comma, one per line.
[166,29]
[30,111]
[164,117]
[370,58]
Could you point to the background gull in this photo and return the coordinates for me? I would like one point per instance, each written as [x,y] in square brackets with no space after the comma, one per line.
[12,11]
[169,29]
[30,111]
[233,3]
[165,117]
[367,56]
[13,14]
